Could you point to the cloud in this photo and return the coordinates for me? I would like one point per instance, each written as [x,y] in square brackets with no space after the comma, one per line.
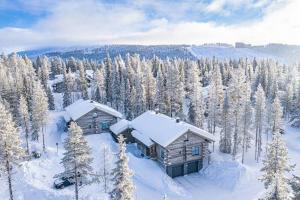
[94,22]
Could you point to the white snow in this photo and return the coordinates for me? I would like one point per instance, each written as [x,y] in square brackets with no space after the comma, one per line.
[120,126]
[81,107]
[223,179]
[163,129]
[142,137]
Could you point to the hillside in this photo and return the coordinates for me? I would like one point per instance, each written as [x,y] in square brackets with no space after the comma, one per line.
[279,52]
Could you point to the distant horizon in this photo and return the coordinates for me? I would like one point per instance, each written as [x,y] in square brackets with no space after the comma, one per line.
[102,45]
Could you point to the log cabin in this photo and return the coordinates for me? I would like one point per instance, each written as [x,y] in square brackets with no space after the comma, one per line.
[91,116]
[177,146]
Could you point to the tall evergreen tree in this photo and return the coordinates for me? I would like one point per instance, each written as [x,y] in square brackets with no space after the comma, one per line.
[196,109]
[10,146]
[39,112]
[24,119]
[77,158]
[260,109]
[276,165]
[123,185]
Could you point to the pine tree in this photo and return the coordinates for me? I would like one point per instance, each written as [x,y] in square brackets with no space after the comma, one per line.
[160,92]
[215,103]
[275,168]
[246,119]
[106,167]
[236,94]
[82,82]
[123,185]
[260,109]
[39,112]
[77,158]
[50,99]
[174,89]
[24,119]
[196,109]
[67,94]
[10,145]
[226,132]
[277,115]
[100,91]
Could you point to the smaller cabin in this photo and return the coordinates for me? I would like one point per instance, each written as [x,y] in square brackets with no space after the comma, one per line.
[91,116]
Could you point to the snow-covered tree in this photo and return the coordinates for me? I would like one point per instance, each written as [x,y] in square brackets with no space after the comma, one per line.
[51,104]
[77,158]
[215,101]
[246,120]
[276,165]
[67,92]
[277,115]
[236,93]
[106,167]
[123,185]
[24,119]
[160,92]
[99,86]
[39,112]
[226,132]
[174,89]
[196,109]
[83,82]
[260,109]
[10,146]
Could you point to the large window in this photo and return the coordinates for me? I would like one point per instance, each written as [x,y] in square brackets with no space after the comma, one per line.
[196,151]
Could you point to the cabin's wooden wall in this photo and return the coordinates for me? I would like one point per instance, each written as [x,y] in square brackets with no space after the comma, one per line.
[180,150]
[88,119]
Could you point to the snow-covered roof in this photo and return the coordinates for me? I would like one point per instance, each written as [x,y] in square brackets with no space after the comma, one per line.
[142,137]
[163,129]
[81,107]
[120,126]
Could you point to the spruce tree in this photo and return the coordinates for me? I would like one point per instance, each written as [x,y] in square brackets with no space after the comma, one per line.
[275,167]
[260,109]
[196,109]
[123,185]
[24,119]
[10,146]
[51,105]
[39,112]
[77,158]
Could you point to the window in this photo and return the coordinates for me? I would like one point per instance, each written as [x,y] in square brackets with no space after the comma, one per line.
[90,126]
[162,154]
[105,125]
[195,151]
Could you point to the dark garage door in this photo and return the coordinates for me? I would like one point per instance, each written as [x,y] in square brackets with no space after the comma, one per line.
[192,167]
[175,171]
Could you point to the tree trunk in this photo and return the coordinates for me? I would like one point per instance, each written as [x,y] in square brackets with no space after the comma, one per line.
[76,182]
[9,179]
[44,146]
[104,171]
[26,136]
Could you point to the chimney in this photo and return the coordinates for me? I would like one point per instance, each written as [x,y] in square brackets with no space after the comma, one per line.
[177,120]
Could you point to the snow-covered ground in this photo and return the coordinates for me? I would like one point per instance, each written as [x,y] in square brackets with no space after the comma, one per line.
[221,180]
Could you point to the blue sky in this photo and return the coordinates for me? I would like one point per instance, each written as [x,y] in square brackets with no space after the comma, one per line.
[40,23]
